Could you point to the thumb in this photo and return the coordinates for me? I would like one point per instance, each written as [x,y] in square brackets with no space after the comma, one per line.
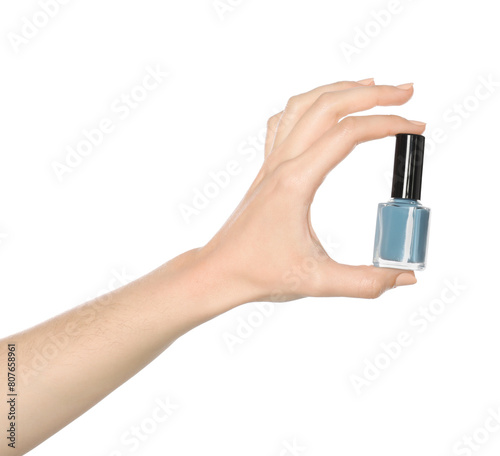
[363,281]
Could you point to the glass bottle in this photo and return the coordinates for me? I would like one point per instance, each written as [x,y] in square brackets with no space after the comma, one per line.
[402,230]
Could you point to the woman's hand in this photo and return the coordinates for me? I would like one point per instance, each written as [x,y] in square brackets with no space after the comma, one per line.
[268,248]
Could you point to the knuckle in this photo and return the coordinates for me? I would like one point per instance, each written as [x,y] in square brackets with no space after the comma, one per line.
[393,122]
[384,91]
[293,104]
[346,84]
[272,123]
[287,177]
[348,125]
[393,118]
[371,288]
[326,100]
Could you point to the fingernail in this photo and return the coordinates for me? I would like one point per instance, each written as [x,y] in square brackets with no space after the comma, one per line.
[406,86]
[405,279]
[367,81]
[417,122]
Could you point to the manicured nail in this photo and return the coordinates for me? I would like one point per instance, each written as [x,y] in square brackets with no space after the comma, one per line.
[368,81]
[417,122]
[405,279]
[406,86]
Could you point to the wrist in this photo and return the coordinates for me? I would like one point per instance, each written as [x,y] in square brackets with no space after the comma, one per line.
[202,285]
[216,284]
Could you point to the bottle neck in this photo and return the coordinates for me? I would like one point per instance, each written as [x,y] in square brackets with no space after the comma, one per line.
[406,201]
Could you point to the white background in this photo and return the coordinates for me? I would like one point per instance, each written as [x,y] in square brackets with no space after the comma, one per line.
[290,382]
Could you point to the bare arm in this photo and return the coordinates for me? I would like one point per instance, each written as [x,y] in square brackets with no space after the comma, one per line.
[267,250]
[74,360]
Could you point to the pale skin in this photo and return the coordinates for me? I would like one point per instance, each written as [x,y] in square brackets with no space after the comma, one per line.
[266,251]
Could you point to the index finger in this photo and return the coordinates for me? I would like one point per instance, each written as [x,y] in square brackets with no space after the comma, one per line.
[340,140]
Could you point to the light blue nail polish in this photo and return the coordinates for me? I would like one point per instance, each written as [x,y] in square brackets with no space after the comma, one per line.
[402,230]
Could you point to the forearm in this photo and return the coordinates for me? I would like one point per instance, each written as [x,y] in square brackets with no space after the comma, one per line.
[77,358]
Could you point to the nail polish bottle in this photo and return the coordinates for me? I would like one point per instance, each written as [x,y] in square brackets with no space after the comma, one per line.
[403,223]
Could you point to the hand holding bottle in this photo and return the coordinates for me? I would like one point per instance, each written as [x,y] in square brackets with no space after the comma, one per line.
[268,245]
[267,250]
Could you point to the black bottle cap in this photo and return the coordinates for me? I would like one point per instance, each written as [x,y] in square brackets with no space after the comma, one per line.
[408,165]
